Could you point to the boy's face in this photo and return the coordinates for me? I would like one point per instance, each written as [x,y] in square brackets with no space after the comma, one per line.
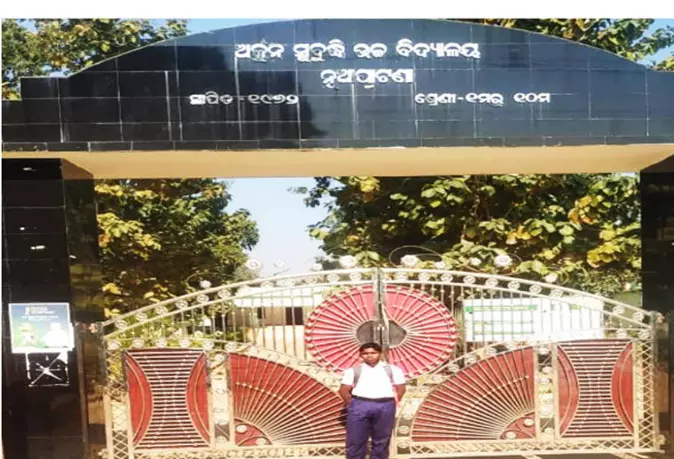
[370,356]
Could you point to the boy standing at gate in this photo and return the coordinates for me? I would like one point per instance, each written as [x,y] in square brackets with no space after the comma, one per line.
[371,390]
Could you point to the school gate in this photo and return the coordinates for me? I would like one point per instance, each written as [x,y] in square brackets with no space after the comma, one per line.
[496,366]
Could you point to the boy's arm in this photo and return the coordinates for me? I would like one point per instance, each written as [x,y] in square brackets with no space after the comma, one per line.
[347,385]
[399,382]
[345,392]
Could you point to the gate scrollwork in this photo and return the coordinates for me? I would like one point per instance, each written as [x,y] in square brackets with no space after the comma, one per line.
[497,366]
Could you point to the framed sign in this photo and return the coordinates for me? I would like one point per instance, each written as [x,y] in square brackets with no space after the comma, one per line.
[522,319]
[40,327]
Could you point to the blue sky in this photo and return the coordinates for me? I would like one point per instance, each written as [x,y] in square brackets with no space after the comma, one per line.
[281,216]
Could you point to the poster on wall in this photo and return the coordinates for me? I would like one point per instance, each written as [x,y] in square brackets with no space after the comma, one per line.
[40,327]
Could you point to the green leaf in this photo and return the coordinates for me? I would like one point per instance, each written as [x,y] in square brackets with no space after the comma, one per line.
[566,230]
[538,267]
[40,47]
[435,224]
[488,189]
[458,184]
[607,234]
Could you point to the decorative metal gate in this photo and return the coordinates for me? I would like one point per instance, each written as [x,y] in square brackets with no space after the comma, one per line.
[496,366]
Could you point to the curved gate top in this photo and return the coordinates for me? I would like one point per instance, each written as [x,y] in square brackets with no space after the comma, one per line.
[496,366]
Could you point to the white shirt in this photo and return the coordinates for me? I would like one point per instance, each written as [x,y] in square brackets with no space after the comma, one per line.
[373,381]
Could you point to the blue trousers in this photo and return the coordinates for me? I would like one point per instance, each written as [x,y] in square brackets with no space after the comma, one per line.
[364,420]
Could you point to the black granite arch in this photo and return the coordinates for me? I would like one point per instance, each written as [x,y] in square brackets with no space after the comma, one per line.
[524,89]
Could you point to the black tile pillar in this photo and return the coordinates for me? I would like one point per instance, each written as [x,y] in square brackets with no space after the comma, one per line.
[657,206]
[87,294]
[82,226]
[48,233]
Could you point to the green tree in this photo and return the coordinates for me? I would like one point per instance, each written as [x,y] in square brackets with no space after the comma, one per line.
[628,38]
[37,47]
[161,238]
[583,230]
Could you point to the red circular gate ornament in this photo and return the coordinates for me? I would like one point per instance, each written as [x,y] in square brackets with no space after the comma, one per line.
[422,331]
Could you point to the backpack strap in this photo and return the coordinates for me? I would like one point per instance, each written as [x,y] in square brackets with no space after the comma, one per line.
[356,374]
[389,372]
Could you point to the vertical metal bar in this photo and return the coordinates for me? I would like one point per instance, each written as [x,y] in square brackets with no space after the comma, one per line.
[305,316]
[245,326]
[537,404]
[214,323]
[376,320]
[127,406]
[382,334]
[234,327]
[652,376]
[209,396]
[555,389]
[385,343]
[81,382]
[488,304]
[223,321]
[283,321]
[182,324]
[195,321]
[637,371]
[263,323]
[230,400]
